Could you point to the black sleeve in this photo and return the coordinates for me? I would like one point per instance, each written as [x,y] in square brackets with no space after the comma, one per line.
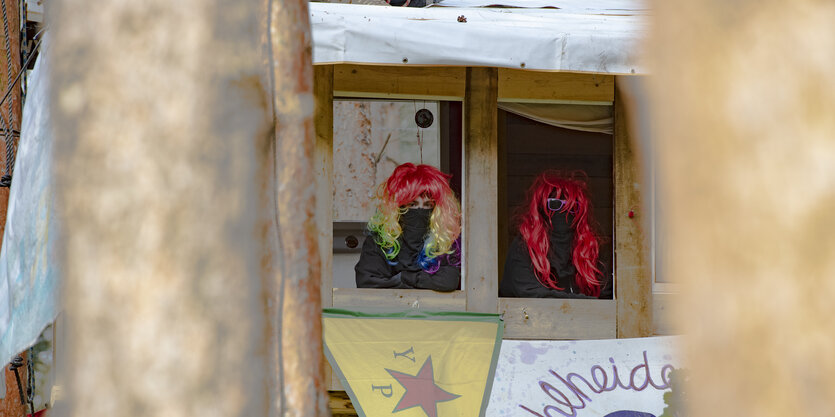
[373,271]
[519,279]
[445,279]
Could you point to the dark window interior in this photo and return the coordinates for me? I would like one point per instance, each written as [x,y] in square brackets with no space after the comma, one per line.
[532,147]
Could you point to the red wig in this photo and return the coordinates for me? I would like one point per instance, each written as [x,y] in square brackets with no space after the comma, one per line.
[535,223]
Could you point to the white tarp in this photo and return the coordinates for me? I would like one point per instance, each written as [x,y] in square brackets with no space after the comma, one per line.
[584,378]
[573,6]
[540,39]
[29,279]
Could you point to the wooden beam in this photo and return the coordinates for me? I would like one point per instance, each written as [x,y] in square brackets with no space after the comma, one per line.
[340,404]
[633,276]
[323,170]
[560,87]
[662,321]
[403,299]
[375,81]
[323,159]
[548,318]
[480,266]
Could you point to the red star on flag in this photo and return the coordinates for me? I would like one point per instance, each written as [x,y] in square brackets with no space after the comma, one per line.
[421,390]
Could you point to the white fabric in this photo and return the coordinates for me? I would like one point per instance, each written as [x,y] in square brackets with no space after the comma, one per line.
[587,118]
[573,6]
[585,378]
[541,39]
[29,274]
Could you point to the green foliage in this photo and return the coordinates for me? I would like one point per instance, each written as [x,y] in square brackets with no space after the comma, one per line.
[676,397]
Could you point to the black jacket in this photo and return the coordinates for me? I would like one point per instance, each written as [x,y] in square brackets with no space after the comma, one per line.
[519,280]
[374,271]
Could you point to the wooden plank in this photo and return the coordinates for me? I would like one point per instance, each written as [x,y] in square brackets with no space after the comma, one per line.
[662,320]
[323,122]
[323,170]
[552,319]
[532,86]
[378,81]
[480,266]
[396,298]
[340,404]
[633,278]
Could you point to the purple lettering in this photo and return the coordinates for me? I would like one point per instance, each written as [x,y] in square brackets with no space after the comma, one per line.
[547,389]
[647,378]
[549,408]
[600,385]
[530,411]
[616,382]
[600,377]
[573,375]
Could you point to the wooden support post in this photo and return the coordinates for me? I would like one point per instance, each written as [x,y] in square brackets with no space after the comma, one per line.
[633,276]
[323,154]
[301,370]
[480,267]
[323,123]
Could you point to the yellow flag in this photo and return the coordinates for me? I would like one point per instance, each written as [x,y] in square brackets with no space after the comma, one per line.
[414,364]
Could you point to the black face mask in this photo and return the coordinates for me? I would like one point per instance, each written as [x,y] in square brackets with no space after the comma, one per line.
[561,223]
[415,224]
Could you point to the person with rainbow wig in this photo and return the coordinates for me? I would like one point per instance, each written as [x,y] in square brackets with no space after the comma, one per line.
[413,236]
[556,252]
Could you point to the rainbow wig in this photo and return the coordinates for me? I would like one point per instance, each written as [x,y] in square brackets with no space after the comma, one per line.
[407,183]
[535,223]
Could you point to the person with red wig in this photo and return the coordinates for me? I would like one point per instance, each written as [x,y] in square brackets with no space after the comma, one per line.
[556,252]
[413,236]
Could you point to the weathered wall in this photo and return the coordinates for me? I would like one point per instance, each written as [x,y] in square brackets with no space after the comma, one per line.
[742,98]
[360,130]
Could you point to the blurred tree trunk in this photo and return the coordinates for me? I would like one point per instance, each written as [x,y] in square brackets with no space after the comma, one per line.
[743,95]
[175,147]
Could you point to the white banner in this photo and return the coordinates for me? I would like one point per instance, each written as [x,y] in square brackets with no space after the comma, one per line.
[606,378]
[29,275]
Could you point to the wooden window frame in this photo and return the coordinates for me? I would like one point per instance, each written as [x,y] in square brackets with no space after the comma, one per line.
[480,89]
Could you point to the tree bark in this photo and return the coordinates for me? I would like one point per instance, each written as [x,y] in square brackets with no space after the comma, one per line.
[300,390]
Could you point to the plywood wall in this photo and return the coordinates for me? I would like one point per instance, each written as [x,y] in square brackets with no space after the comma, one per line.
[370,138]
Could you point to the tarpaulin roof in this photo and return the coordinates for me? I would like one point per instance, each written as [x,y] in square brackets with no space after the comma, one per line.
[568,35]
